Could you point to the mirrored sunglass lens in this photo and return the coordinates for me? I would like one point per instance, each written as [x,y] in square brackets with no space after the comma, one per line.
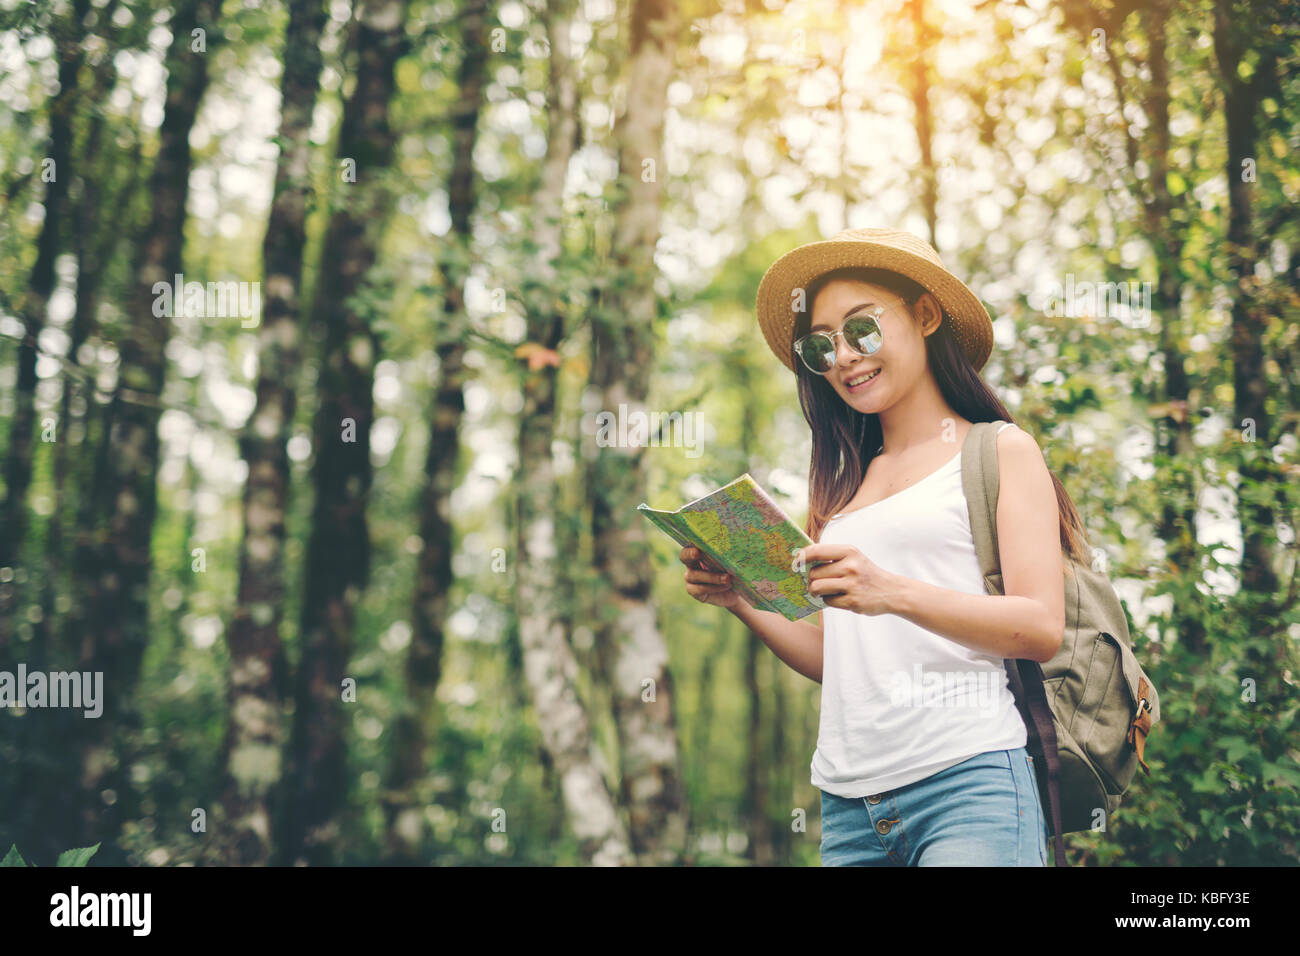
[863,334]
[818,351]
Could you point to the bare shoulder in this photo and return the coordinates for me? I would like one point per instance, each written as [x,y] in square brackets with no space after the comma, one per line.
[1022,470]
[1018,451]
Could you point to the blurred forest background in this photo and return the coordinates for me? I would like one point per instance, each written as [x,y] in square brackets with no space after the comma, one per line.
[364,585]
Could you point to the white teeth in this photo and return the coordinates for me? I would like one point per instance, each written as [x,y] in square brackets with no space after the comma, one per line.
[864,378]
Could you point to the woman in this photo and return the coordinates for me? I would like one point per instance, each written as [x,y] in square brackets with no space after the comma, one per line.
[920,756]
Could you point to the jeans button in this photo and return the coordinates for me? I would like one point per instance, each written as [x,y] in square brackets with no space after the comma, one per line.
[874,798]
[884,826]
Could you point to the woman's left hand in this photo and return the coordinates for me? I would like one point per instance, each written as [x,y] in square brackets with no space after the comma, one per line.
[850,580]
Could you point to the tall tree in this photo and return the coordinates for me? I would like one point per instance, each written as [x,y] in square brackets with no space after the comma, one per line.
[923,41]
[403,809]
[56,171]
[549,665]
[1165,221]
[254,738]
[68,29]
[623,341]
[92,245]
[338,552]
[1244,82]
[97,237]
[759,848]
[126,483]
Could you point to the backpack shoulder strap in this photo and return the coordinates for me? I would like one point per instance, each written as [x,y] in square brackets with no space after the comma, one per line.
[979,479]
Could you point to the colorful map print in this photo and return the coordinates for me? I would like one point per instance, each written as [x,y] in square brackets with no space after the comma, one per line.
[744,532]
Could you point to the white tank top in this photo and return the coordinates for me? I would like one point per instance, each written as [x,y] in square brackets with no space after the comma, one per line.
[900,703]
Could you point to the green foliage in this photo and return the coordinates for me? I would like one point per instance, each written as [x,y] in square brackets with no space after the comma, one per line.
[762,159]
[13,858]
[79,857]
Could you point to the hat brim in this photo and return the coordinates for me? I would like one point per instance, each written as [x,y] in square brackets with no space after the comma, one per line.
[970,322]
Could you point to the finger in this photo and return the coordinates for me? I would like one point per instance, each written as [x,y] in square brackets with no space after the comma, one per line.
[825,552]
[832,569]
[706,590]
[707,577]
[828,587]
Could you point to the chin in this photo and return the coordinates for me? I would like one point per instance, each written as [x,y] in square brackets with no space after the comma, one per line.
[865,403]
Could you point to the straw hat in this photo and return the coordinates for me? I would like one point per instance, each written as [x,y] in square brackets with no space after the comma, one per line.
[890,249]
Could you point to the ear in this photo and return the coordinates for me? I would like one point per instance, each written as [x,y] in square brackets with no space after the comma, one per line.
[928,312]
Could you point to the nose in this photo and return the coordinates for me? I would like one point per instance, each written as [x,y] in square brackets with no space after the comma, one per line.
[844,356]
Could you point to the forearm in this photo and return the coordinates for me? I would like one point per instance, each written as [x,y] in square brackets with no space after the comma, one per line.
[1002,625]
[798,644]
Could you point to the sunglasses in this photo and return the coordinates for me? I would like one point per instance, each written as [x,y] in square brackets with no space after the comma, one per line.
[861,332]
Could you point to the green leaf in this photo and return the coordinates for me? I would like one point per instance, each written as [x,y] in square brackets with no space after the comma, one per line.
[79,857]
[1207,782]
[1236,748]
[13,857]
[1276,774]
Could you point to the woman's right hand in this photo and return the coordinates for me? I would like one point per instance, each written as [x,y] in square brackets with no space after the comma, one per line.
[706,584]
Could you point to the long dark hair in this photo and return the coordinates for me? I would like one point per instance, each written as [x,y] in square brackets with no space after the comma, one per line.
[844,440]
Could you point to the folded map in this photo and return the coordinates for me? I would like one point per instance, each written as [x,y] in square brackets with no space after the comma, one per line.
[744,533]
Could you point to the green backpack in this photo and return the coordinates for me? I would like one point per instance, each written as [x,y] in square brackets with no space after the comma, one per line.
[1089,709]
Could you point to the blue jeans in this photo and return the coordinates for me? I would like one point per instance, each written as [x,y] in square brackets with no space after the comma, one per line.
[984,811]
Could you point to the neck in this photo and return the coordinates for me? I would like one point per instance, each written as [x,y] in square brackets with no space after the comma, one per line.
[918,418]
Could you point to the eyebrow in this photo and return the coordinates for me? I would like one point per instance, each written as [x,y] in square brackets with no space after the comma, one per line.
[857,308]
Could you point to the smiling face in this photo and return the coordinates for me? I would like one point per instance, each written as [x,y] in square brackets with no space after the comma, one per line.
[900,362]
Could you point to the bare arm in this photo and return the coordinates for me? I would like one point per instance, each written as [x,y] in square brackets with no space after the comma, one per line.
[797,643]
[1027,621]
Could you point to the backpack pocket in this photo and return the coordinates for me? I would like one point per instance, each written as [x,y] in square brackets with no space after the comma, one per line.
[1106,709]
[1083,790]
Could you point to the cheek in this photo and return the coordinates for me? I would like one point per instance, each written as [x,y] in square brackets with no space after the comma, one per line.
[909,356]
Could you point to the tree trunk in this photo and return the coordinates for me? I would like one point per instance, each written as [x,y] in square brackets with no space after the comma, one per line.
[88,444]
[1177,523]
[549,664]
[757,768]
[403,805]
[126,496]
[1249,320]
[92,246]
[68,33]
[923,38]
[1262,656]
[254,741]
[701,748]
[624,349]
[755,800]
[338,553]
[783,785]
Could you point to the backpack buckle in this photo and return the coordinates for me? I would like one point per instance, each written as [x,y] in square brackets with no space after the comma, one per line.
[1138,730]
